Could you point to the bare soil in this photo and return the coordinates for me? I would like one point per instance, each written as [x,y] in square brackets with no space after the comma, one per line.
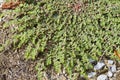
[13,66]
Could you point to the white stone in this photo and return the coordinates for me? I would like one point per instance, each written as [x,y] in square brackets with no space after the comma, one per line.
[102,77]
[109,74]
[110,62]
[99,66]
[91,74]
[113,68]
[1,1]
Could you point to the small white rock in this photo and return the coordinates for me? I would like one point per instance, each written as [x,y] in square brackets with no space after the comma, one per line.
[115,75]
[113,68]
[99,65]
[110,62]
[91,74]
[102,77]
[109,74]
[1,2]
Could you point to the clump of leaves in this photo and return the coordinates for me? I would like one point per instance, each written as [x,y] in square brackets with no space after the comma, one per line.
[64,38]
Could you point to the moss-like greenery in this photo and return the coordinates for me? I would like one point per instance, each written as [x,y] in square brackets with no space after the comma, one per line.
[67,34]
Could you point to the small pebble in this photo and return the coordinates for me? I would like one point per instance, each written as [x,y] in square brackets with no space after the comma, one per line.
[102,77]
[109,74]
[99,66]
[115,75]
[113,68]
[1,2]
[110,62]
[91,74]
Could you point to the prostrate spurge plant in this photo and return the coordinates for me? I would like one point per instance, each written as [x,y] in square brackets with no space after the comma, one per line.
[64,38]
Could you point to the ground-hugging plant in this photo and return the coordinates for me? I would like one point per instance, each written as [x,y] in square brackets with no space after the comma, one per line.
[64,38]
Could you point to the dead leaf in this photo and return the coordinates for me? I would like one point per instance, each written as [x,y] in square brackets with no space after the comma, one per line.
[11,5]
[116,53]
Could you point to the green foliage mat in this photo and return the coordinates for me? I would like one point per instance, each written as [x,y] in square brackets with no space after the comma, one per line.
[66,34]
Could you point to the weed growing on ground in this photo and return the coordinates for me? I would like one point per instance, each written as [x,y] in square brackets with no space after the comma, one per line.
[66,37]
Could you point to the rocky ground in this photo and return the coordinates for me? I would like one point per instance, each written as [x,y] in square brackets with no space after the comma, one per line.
[105,70]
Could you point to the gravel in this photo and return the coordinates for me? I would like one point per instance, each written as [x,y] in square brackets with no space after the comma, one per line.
[109,74]
[99,65]
[102,77]
[113,68]
[1,1]
[110,62]
[91,74]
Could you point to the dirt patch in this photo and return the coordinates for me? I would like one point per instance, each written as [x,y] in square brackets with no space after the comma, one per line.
[13,66]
